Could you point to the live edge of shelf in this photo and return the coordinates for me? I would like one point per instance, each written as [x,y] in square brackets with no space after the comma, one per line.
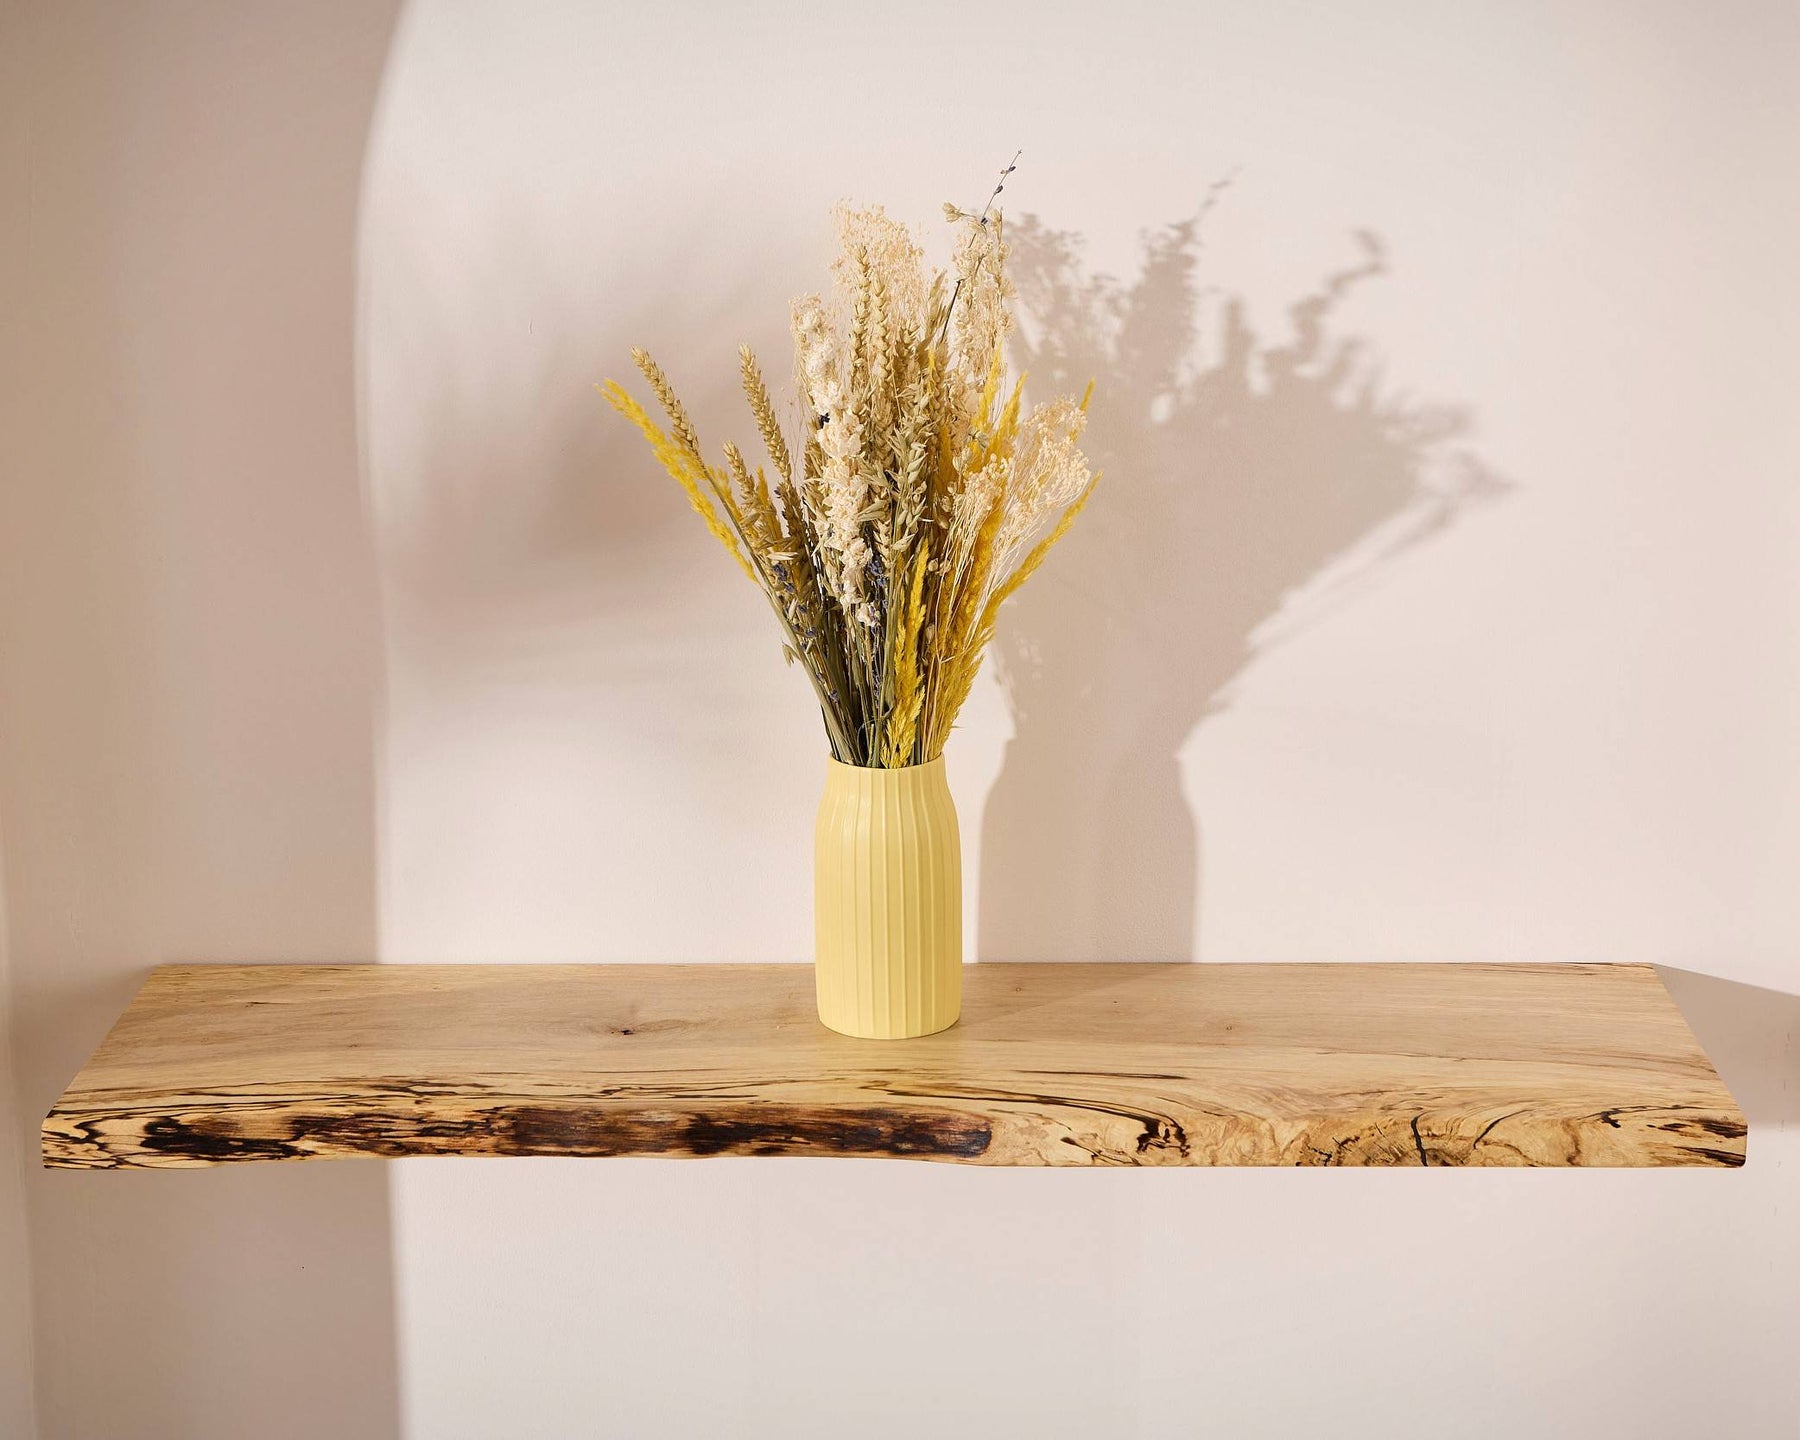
[1432,1065]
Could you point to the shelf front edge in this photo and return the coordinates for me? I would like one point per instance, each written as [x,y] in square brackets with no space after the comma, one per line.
[1314,1065]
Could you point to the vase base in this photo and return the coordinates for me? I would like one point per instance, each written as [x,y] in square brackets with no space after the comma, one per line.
[895,1034]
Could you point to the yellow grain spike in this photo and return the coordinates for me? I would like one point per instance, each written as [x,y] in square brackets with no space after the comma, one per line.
[909,689]
[763,408]
[1006,429]
[1035,558]
[752,509]
[1009,417]
[676,460]
[991,390]
[962,665]
[974,580]
[765,502]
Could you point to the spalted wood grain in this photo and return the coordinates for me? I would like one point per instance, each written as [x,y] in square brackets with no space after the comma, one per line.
[1432,1065]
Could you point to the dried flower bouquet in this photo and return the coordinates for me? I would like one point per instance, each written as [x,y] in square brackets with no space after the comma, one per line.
[919,495]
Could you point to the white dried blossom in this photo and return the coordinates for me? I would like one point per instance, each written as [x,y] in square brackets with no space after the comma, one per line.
[984,489]
[1049,472]
[816,351]
[869,239]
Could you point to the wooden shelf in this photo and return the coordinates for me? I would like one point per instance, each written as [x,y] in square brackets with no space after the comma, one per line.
[1051,1065]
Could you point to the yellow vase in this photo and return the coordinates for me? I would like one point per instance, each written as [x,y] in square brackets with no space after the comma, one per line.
[887,902]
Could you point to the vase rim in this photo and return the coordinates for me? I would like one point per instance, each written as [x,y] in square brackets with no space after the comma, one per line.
[836,764]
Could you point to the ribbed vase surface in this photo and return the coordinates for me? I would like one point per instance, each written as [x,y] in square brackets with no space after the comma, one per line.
[887,902]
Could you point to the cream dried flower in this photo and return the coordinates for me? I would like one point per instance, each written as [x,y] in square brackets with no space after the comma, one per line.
[1050,472]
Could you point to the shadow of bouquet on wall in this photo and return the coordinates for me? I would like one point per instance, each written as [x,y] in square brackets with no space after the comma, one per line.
[1250,484]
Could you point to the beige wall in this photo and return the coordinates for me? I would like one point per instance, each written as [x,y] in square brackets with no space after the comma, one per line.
[17,1416]
[1441,602]
[189,673]
[17,1411]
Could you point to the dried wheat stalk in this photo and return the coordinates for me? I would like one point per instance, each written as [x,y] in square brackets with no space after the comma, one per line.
[923,493]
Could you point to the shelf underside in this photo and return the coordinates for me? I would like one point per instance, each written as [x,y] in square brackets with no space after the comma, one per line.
[1434,1065]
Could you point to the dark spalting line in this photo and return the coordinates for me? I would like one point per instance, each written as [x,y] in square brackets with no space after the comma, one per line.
[1685,1122]
[1156,1132]
[1610,1116]
[203,1141]
[762,1129]
[1711,1124]
[524,1130]
[1488,1129]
